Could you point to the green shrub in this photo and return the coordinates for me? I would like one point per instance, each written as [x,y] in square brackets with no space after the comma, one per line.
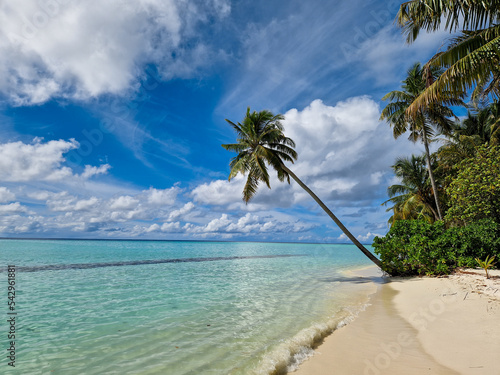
[414,247]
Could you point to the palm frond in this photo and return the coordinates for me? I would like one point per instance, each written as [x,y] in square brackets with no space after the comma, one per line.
[478,64]
[261,142]
[430,14]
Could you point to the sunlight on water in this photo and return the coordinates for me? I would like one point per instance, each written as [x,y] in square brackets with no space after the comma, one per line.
[245,314]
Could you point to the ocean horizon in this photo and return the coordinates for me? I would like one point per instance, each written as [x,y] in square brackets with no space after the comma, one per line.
[177,307]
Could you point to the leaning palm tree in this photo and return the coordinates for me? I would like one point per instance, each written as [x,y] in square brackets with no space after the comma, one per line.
[262,143]
[412,198]
[421,125]
[472,57]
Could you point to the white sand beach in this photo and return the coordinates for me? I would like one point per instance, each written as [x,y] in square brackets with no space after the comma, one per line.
[448,325]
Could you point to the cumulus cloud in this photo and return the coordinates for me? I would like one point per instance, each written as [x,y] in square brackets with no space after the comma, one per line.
[219,192]
[188,207]
[113,215]
[368,237]
[161,196]
[22,162]
[76,49]
[39,161]
[344,156]
[122,203]
[171,227]
[6,195]
[65,202]
[345,152]
[250,224]
[13,207]
[93,171]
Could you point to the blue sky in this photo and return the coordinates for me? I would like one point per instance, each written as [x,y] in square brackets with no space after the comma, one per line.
[113,115]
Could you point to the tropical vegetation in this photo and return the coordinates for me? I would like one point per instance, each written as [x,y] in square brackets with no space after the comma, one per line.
[462,225]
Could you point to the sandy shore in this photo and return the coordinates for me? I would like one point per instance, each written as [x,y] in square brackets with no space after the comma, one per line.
[419,326]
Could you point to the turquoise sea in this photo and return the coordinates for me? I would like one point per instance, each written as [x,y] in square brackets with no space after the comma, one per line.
[160,307]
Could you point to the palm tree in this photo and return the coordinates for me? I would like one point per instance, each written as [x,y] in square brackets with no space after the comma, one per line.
[421,124]
[471,59]
[261,142]
[412,198]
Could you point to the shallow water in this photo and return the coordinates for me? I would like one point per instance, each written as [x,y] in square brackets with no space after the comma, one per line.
[158,307]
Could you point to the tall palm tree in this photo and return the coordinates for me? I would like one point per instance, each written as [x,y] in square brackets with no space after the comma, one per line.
[412,197]
[421,124]
[261,142]
[471,59]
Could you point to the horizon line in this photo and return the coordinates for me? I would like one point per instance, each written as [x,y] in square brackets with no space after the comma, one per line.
[167,240]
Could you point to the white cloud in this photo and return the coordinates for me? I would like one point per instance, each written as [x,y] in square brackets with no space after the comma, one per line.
[161,197]
[82,49]
[22,162]
[72,211]
[93,171]
[219,192]
[123,203]
[6,195]
[39,195]
[188,207]
[171,227]
[217,225]
[38,161]
[13,207]
[152,228]
[250,224]
[86,204]
[367,237]
[344,150]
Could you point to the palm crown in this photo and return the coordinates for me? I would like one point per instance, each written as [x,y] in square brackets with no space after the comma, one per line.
[471,58]
[412,197]
[421,124]
[261,142]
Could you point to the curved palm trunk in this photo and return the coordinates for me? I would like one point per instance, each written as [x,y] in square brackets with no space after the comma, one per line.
[431,175]
[334,218]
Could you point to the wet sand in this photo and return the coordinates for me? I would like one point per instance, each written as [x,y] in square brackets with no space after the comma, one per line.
[419,326]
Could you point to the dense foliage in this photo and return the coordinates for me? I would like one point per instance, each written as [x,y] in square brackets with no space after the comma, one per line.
[462,223]
[475,192]
[416,247]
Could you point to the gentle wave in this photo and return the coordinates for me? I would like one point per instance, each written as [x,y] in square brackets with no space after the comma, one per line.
[288,356]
